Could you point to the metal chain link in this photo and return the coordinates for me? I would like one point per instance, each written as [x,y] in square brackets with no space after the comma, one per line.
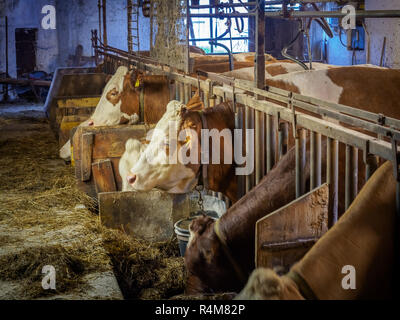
[200,201]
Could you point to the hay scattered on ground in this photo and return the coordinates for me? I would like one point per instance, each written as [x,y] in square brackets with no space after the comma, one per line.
[145,270]
[38,200]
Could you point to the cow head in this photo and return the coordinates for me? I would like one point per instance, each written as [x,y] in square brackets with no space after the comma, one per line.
[160,165]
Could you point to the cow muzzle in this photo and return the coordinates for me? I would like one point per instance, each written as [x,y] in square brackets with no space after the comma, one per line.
[131,179]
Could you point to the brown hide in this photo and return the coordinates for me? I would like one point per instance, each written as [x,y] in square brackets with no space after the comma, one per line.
[156,96]
[220,67]
[221,177]
[362,238]
[274,191]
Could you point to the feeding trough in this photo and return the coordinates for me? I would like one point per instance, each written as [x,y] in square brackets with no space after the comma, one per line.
[151,215]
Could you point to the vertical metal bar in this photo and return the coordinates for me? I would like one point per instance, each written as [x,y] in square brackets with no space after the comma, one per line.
[187,47]
[333,179]
[271,143]
[371,164]
[186,93]
[7,75]
[351,175]
[318,155]
[300,141]
[283,139]
[249,125]
[315,160]
[100,22]
[259,146]
[239,125]
[105,40]
[181,92]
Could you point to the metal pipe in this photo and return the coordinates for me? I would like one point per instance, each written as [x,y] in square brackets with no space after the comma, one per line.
[283,135]
[211,39]
[333,179]
[105,22]
[100,22]
[300,141]
[336,14]
[7,75]
[351,175]
[249,124]
[260,146]
[371,164]
[239,125]
[223,5]
[271,143]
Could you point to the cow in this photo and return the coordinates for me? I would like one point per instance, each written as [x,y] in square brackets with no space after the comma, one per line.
[220,64]
[361,245]
[273,69]
[154,170]
[120,101]
[209,269]
[134,147]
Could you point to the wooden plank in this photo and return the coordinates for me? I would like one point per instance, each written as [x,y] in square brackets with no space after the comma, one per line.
[284,236]
[103,175]
[83,102]
[67,124]
[146,215]
[86,157]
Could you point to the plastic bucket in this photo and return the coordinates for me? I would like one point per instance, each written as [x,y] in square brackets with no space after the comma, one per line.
[182,231]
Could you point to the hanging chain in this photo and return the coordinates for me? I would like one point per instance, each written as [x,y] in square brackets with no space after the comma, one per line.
[200,201]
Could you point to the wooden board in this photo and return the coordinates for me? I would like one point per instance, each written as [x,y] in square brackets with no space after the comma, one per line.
[146,215]
[103,175]
[67,124]
[284,236]
[108,144]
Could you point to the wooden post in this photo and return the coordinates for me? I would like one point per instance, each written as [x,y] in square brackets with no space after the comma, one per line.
[86,156]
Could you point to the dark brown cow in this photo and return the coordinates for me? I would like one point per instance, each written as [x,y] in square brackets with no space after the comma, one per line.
[362,241]
[209,268]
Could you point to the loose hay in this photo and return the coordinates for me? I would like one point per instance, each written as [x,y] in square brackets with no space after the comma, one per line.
[145,270]
[39,198]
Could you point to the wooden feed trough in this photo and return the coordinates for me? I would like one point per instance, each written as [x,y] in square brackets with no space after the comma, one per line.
[145,215]
[69,123]
[96,153]
[284,236]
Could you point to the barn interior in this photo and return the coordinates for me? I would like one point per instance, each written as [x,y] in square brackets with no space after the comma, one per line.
[286,180]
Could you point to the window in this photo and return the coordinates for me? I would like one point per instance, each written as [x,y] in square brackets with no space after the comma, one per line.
[205,30]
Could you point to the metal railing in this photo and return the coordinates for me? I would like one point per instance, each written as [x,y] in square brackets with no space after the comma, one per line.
[379,138]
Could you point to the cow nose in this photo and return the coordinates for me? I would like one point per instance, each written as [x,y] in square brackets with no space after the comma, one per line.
[91,123]
[131,178]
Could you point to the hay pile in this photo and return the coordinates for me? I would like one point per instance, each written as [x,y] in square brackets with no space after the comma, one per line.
[144,270]
[46,220]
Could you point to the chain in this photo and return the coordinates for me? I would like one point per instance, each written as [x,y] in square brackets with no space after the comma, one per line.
[200,202]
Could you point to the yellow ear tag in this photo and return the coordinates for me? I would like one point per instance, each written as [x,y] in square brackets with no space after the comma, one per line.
[137,84]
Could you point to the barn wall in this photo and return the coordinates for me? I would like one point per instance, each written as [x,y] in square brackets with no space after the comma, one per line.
[75,19]
[27,14]
[380,28]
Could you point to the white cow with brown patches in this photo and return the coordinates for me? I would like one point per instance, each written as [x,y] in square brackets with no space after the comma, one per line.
[108,111]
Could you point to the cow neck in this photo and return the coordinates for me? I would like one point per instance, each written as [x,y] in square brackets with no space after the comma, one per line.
[362,238]
[223,176]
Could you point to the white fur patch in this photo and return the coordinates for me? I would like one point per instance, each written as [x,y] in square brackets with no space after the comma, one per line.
[153,169]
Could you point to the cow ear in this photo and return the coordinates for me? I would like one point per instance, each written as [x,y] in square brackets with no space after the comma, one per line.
[195,104]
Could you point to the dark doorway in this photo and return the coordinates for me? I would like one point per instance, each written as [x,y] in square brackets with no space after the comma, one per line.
[25,45]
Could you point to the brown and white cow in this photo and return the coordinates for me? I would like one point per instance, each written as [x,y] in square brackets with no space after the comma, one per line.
[273,69]
[361,245]
[208,267]
[120,101]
